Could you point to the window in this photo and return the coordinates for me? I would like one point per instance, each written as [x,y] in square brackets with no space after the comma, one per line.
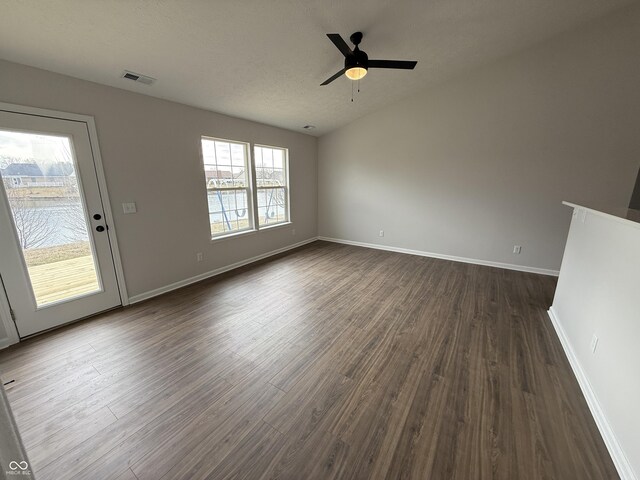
[226,168]
[242,196]
[272,185]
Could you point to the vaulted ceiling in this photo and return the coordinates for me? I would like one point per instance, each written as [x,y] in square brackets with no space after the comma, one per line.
[264,60]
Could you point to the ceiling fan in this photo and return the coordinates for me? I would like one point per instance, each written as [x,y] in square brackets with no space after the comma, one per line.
[357,63]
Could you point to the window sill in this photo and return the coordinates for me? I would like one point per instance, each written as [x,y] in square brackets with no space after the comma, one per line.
[248,232]
[233,235]
[275,225]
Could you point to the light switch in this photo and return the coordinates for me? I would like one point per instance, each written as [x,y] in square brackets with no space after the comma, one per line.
[129,208]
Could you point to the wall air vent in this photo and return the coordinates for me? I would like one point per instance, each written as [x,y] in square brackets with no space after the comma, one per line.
[137,77]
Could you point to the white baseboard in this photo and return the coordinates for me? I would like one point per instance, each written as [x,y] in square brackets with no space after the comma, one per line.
[487,263]
[213,273]
[625,470]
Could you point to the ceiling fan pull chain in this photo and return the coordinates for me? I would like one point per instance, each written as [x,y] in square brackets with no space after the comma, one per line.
[352,91]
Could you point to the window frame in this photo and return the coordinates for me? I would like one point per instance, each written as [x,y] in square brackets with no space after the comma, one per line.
[249,188]
[286,187]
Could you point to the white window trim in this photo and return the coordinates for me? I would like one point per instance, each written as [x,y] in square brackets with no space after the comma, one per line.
[251,189]
[273,226]
[230,235]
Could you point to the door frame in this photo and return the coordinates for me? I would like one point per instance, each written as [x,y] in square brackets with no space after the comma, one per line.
[5,316]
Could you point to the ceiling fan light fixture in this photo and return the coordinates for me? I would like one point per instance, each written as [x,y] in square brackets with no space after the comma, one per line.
[355,73]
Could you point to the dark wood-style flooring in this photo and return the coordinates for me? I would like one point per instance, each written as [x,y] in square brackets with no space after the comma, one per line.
[330,362]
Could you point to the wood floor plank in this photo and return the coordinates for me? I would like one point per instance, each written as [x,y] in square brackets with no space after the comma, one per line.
[126,475]
[196,388]
[319,455]
[123,390]
[204,446]
[64,440]
[414,454]
[252,456]
[327,362]
[314,396]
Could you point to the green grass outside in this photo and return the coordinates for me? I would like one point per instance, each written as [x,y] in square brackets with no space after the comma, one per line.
[45,255]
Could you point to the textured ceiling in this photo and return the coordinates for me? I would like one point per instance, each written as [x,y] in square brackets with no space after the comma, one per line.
[264,60]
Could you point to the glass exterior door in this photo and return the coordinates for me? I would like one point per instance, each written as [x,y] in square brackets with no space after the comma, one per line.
[56,261]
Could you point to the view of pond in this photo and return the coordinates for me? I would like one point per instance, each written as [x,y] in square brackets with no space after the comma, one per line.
[50,223]
[232,205]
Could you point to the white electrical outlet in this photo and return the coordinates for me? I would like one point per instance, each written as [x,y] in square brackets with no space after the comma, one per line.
[594,343]
[517,249]
[199,256]
[381,234]
[293,231]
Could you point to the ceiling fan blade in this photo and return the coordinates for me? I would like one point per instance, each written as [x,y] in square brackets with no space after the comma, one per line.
[340,43]
[332,78]
[401,64]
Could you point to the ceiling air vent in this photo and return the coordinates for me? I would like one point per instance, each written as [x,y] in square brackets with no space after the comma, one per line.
[137,77]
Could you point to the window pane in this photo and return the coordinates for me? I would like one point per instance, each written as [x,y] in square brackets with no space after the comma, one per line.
[225,163]
[278,159]
[40,181]
[228,211]
[271,180]
[226,173]
[271,205]
[257,156]
[278,177]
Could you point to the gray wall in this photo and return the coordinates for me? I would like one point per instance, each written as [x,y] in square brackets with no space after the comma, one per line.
[150,151]
[481,163]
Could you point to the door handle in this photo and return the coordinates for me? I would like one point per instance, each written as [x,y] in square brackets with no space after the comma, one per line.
[97,216]
[99,228]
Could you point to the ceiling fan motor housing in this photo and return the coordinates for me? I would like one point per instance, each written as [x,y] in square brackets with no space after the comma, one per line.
[357,59]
